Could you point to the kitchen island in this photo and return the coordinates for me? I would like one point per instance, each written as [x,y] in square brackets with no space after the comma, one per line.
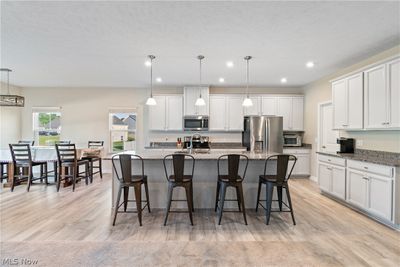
[204,181]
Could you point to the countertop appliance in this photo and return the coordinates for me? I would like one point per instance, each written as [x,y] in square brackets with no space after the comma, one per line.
[292,140]
[346,145]
[263,134]
[195,123]
[197,142]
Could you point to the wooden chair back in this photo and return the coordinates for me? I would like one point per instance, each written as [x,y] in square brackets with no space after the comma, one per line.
[21,154]
[125,163]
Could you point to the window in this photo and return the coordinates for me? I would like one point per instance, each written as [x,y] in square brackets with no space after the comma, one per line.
[46,126]
[122,130]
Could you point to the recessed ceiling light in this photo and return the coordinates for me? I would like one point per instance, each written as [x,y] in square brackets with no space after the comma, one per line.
[221,80]
[147,63]
[283,80]
[158,79]
[310,64]
[229,64]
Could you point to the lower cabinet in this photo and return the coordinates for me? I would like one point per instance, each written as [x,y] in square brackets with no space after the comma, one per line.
[302,167]
[366,186]
[370,192]
[332,179]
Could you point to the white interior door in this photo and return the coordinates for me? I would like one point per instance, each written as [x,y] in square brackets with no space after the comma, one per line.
[327,136]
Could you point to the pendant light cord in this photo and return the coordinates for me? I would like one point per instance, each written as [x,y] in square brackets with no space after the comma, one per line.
[151,77]
[247,77]
[8,82]
[200,57]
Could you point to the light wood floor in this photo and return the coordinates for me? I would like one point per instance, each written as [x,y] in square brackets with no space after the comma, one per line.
[74,229]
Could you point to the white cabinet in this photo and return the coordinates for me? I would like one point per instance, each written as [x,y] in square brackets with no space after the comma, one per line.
[347,95]
[356,188]
[370,187]
[174,113]
[375,98]
[191,94]
[332,176]
[255,109]
[167,114]
[217,113]
[157,118]
[291,108]
[226,113]
[269,105]
[393,68]
[382,96]
[302,167]
[235,113]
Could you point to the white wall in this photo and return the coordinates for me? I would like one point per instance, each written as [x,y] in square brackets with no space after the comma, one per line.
[320,91]
[10,120]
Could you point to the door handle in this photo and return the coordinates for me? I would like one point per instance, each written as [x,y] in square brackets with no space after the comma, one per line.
[323,146]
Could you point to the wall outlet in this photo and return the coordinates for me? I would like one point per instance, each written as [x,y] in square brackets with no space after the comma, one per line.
[359,143]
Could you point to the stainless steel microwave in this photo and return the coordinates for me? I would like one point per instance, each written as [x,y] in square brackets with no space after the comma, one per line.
[195,123]
[292,140]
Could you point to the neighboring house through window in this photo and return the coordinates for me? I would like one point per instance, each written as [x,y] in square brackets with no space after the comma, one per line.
[122,129]
[46,125]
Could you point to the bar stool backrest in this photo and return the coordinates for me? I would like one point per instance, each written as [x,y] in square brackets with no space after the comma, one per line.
[26,142]
[21,154]
[63,142]
[282,164]
[178,163]
[95,144]
[233,165]
[125,161]
[66,153]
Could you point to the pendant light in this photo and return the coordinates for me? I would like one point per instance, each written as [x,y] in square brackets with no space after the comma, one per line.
[151,101]
[247,101]
[8,99]
[200,101]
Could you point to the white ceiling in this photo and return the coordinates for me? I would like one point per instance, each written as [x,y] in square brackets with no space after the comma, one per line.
[106,43]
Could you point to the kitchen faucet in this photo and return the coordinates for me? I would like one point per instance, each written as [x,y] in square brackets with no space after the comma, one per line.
[190,147]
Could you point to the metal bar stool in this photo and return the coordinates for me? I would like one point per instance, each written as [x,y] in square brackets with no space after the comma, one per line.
[126,180]
[23,166]
[68,161]
[231,179]
[280,180]
[179,179]
[3,171]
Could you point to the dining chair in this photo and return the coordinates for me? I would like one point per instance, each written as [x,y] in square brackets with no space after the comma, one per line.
[279,180]
[32,143]
[231,178]
[96,158]
[178,178]
[23,166]
[3,171]
[127,180]
[69,164]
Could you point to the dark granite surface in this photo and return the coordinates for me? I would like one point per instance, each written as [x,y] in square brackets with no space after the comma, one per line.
[217,145]
[371,156]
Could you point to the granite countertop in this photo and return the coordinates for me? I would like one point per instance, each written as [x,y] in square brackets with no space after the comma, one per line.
[303,146]
[212,155]
[216,145]
[371,156]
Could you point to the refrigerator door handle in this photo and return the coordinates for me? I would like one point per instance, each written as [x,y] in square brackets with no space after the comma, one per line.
[267,134]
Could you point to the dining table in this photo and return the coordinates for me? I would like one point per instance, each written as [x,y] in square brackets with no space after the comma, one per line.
[40,153]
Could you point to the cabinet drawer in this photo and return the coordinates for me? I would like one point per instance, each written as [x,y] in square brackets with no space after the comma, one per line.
[371,168]
[332,160]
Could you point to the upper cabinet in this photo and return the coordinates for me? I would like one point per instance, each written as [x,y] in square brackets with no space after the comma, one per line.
[226,113]
[382,96]
[190,96]
[167,114]
[291,109]
[347,96]
[269,105]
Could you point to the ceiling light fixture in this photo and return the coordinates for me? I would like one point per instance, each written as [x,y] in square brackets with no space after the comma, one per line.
[310,64]
[247,101]
[200,101]
[229,64]
[8,99]
[151,101]
[158,79]
[221,80]
[283,80]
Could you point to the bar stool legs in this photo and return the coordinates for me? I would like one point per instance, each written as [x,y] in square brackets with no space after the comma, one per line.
[189,199]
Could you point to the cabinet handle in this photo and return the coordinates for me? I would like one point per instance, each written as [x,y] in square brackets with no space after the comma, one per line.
[345,125]
[365,177]
[365,167]
[329,169]
[329,160]
[323,146]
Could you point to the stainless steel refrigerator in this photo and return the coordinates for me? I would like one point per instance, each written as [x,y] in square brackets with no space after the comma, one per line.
[263,133]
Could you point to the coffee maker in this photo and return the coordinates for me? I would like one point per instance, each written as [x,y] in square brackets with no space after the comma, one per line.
[346,145]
